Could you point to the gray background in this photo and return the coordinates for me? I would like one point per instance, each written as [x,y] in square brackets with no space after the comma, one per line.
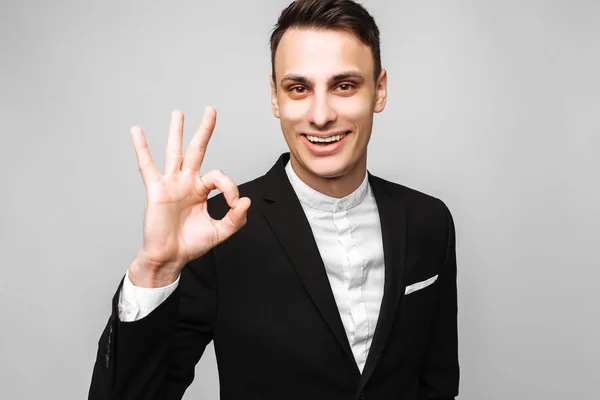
[493,107]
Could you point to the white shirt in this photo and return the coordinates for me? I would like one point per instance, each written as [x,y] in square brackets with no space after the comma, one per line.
[348,236]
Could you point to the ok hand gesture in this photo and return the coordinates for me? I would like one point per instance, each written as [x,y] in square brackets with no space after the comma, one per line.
[177,226]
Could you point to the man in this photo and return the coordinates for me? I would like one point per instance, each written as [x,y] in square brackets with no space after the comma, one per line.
[336,284]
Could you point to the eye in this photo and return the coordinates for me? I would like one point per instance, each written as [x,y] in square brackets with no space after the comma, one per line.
[346,88]
[298,89]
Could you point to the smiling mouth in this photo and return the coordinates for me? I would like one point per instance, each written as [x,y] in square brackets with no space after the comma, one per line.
[325,140]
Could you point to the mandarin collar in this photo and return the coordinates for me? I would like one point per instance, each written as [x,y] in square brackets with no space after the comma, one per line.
[322,202]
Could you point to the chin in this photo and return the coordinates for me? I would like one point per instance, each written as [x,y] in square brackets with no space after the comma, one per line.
[328,167]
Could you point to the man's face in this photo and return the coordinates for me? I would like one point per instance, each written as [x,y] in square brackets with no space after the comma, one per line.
[325,97]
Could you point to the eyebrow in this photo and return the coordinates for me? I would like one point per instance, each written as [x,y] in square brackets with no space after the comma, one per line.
[335,78]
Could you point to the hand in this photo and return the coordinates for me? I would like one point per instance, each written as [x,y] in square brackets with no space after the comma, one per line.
[177,226]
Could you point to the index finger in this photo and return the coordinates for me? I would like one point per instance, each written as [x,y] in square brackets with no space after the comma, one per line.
[194,154]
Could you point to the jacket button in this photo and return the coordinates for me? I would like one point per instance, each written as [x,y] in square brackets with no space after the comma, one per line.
[362,397]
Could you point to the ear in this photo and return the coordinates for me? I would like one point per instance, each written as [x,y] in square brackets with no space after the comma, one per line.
[274,103]
[381,91]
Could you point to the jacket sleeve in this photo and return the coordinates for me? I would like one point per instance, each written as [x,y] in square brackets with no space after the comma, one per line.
[439,375]
[154,357]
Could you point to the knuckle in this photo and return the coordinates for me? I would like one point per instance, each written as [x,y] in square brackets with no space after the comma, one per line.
[201,147]
[219,174]
[213,172]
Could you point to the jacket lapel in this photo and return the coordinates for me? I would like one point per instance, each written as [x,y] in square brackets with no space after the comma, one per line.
[392,215]
[285,216]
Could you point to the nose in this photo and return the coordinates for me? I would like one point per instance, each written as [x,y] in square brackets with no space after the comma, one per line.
[321,112]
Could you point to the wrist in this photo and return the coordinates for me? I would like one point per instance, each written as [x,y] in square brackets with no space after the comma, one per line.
[148,274]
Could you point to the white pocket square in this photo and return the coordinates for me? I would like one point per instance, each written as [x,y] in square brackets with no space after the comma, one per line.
[420,285]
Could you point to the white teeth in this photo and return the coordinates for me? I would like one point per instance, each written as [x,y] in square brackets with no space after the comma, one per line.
[316,139]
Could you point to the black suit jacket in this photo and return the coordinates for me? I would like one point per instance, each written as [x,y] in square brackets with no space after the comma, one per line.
[264,298]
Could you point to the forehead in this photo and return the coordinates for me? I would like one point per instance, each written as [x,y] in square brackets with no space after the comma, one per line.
[321,53]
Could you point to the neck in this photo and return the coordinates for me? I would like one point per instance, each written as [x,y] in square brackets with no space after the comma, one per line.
[337,187]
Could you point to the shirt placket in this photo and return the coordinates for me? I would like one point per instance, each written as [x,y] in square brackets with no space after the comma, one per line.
[353,282]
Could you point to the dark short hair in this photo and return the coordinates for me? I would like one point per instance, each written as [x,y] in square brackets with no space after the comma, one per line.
[342,15]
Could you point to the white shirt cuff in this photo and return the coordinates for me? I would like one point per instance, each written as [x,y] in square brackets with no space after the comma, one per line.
[137,302]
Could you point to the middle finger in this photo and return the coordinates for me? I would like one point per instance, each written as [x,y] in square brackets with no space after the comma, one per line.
[173,156]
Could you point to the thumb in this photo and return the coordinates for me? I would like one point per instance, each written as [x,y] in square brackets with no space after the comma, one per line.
[234,219]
